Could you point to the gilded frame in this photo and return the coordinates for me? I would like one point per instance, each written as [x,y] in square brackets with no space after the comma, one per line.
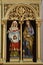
[38,23]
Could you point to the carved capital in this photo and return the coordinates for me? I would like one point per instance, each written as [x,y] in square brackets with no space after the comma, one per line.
[3,22]
[38,22]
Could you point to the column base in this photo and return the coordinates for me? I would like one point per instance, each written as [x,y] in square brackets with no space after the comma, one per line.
[38,60]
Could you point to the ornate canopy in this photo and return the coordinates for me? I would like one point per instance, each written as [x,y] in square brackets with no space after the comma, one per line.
[21,11]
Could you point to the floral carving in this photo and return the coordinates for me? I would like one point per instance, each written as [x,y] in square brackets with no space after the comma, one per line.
[36,7]
[21,12]
[6,7]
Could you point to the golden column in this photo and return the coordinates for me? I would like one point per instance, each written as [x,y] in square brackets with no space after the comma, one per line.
[38,38]
[4,41]
[21,22]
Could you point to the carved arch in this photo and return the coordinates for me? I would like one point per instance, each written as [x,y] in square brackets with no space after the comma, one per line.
[21,12]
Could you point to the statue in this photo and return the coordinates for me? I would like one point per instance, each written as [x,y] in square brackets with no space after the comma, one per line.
[28,39]
[14,37]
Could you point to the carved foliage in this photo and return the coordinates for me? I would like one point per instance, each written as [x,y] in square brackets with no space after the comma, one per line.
[21,12]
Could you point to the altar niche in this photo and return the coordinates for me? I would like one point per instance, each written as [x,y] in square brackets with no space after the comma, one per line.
[13,42]
[28,47]
[29,43]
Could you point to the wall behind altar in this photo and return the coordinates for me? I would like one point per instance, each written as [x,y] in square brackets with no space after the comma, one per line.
[0,28]
[41,14]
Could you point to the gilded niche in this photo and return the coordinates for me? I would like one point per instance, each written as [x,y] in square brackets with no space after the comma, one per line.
[24,13]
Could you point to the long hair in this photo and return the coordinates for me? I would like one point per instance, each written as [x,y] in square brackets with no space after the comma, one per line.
[29,23]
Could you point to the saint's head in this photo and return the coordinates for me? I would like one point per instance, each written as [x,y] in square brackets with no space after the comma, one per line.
[14,24]
[28,23]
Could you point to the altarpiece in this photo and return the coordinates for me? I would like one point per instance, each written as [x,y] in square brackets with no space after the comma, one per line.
[20,31]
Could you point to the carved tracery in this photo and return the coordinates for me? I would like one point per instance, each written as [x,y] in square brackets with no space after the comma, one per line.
[21,12]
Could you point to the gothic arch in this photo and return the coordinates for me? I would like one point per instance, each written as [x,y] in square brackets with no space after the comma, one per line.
[26,7]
